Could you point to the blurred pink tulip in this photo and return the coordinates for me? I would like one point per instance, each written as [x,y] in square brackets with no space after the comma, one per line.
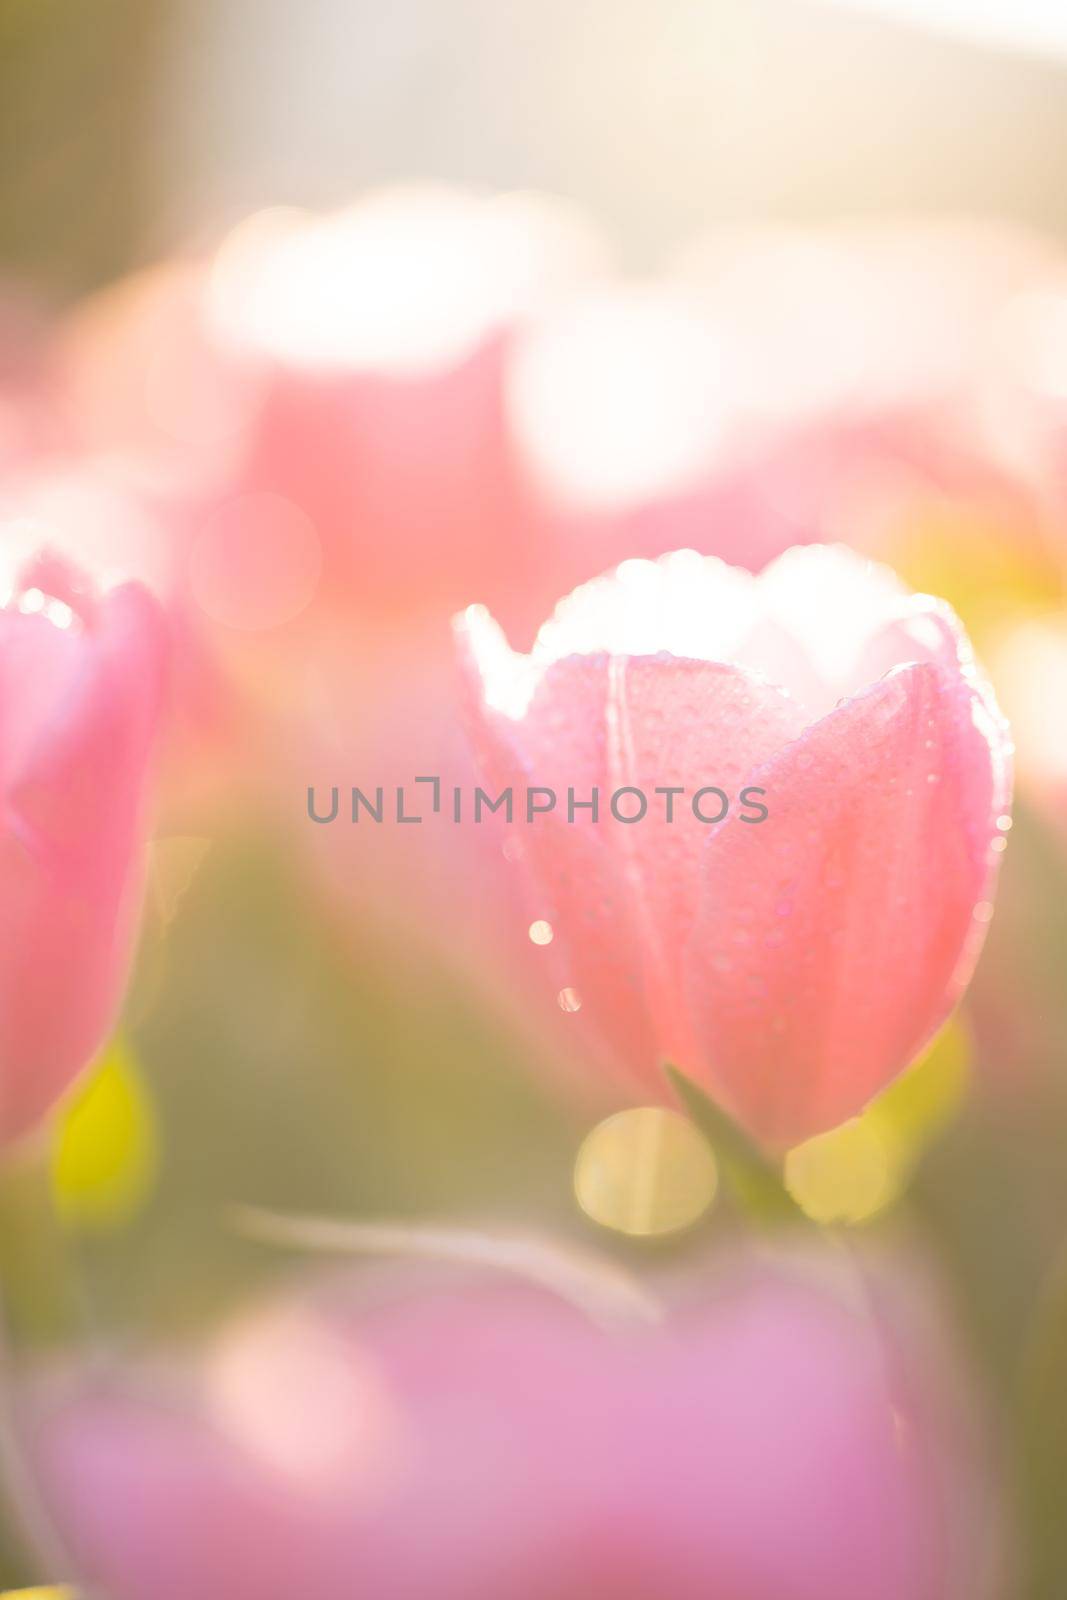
[860,320]
[902,488]
[793,965]
[337,381]
[785,387]
[776,1441]
[383,330]
[80,685]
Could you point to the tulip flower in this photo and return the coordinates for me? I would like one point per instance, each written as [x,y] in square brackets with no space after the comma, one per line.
[776,1442]
[876,318]
[777,382]
[80,684]
[791,963]
[334,384]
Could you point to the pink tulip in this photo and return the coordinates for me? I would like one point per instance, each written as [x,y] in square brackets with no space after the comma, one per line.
[883,317]
[780,386]
[792,965]
[902,488]
[335,384]
[779,1441]
[80,681]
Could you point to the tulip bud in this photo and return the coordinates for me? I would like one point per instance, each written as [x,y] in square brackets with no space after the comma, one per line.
[80,690]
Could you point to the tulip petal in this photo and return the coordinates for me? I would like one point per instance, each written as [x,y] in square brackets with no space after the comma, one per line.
[622,896]
[831,943]
[78,712]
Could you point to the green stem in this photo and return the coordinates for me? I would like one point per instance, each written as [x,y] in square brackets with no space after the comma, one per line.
[38,1292]
[37,1306]
[754,1181]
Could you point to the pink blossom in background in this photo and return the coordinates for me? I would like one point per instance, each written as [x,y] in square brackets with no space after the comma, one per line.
[366,416]
[80,699]
[792,966]
[885,317]
[384,329]
[778,1439]
[432,388]
[904,489]
[347,369]
[784,386]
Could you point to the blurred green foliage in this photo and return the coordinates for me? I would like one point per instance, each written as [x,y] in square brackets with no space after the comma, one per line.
[76,80]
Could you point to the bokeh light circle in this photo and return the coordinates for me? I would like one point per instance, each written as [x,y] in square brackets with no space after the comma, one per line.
[644,1172]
